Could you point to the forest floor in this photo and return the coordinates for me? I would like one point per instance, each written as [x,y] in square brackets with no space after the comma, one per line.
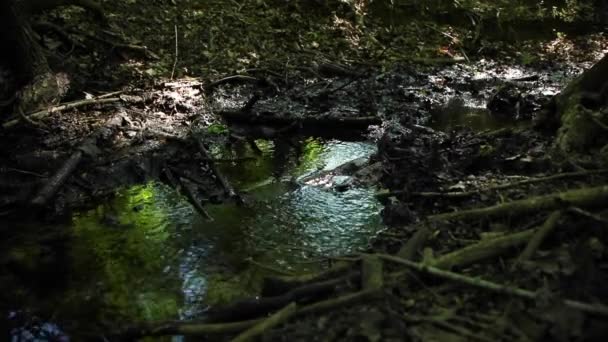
[452,115]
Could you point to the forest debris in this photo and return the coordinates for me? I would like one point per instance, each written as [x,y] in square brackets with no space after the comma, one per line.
[270,322]
[70,105]
[580,197]
[539,237]
[597,309]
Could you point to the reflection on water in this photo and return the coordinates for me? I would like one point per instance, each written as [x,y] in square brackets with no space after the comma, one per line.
[148,255]
[457,114]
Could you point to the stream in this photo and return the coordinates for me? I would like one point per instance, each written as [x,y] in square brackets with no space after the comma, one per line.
[147,255]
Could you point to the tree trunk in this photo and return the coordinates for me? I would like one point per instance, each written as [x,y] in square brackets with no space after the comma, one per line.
[27,58]
[580,110]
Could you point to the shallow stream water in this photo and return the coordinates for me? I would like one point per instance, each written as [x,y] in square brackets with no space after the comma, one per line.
[147,255]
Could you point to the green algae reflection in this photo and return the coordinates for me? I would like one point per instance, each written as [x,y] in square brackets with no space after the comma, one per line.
[120,254]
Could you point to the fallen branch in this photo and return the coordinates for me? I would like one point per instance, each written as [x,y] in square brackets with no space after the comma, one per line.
[482,250]
[539,237]
[197,329]
[228,189]
[189,192]
[277,285]
[597,309]
[231,79]
[386,193]
[70,105]
[57,180]
[580,198]
[267,324]
[252,308]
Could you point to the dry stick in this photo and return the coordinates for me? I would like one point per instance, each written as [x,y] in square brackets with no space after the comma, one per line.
[43,113]
[176,54]
[587,214]
[539,237]
[267,324]
[234,78]
[597,309]
[579,197]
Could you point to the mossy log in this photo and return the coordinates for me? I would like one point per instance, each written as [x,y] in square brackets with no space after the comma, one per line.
[585,197]
[577,116]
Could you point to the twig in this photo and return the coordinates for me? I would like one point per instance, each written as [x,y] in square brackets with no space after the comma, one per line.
[270,322]
[43,113]
[598,309]
[587,214]
[176,53]
[229,79]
